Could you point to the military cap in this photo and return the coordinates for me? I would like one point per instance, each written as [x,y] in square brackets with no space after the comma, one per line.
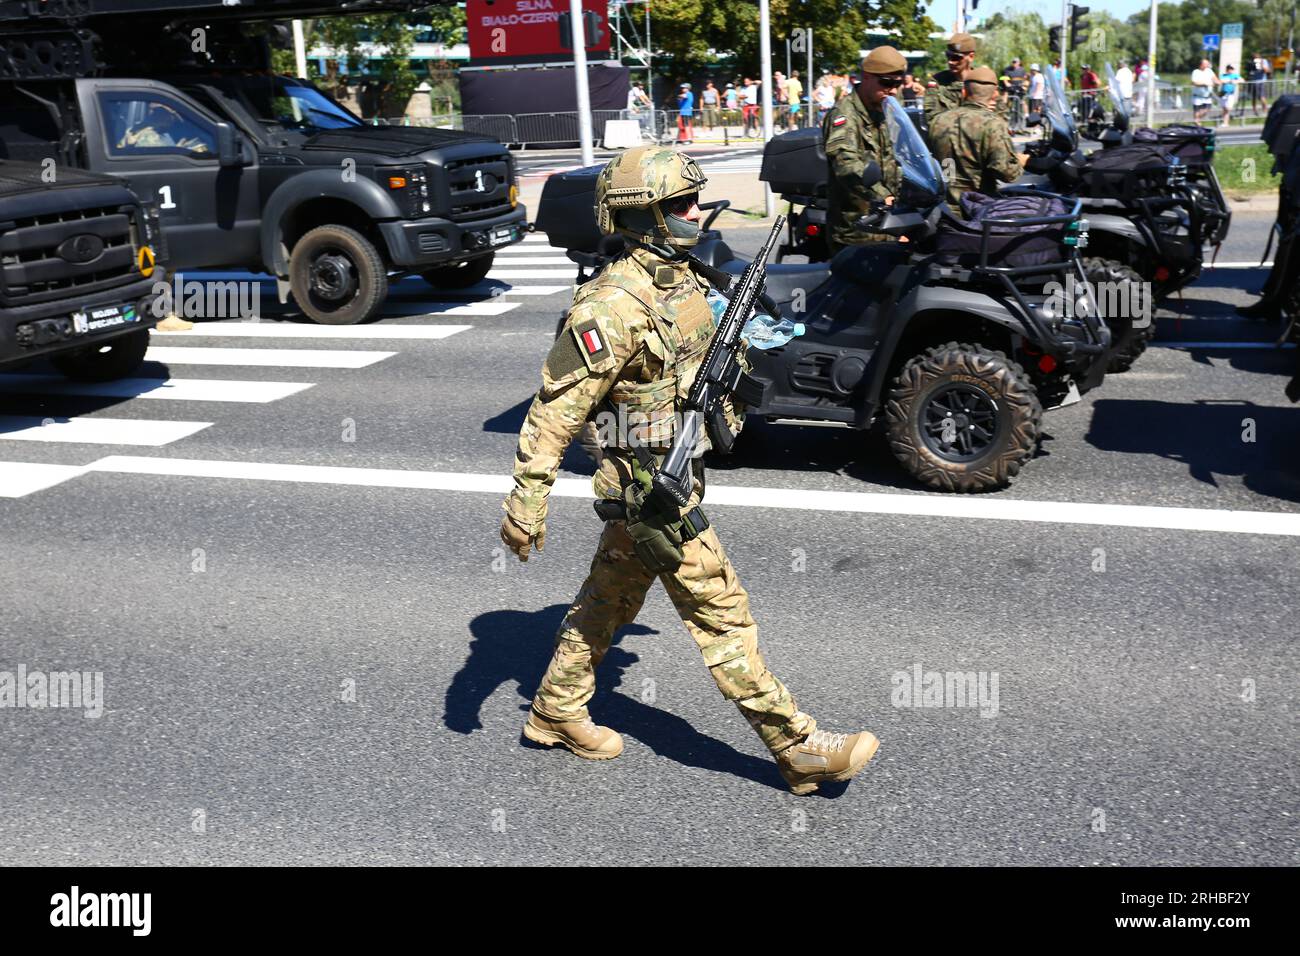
[883,60]
[981,74]
[961,43]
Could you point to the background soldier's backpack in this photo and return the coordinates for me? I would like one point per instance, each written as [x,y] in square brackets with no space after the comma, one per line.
[958,242]
[1282,124]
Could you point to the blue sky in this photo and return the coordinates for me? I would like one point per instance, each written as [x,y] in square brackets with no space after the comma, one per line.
[944,12]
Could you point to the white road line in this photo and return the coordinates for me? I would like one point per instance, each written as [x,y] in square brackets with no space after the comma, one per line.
[568,273]
[283,358]
[846,502]
[1239,265]
[18,479]
[298,330]
[97,431]
[532,261]
[536,237]
[512,290]
[1219,345]
[531,248]
[176,389]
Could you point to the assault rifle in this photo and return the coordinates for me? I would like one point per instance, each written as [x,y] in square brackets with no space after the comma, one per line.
[719,376]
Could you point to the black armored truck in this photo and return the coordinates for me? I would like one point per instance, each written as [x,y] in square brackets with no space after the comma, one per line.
[80,260]
[252,169]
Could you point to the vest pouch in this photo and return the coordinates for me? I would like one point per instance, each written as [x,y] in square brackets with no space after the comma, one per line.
[656,537]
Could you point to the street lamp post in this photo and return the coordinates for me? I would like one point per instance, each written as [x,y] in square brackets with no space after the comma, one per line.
[765,64]
[1151,66]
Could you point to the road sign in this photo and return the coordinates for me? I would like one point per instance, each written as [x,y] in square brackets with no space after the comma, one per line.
[1209,41]
[1232,31]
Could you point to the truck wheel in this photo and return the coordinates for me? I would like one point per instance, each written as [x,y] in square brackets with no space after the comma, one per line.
[1126,341]
[338,276]
[963,418]
[462,275]
[106,361]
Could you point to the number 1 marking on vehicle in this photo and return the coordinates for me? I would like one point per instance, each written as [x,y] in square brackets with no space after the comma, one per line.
[166,193]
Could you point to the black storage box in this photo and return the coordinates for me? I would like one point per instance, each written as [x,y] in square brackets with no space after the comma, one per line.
[795,163]
[959,242]
[567,211]
[1127,172]
[1282,124]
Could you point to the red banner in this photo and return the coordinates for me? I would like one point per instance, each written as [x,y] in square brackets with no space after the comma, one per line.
[505,30]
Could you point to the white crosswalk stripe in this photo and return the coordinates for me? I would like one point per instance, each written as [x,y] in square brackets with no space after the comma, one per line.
[295,330]
[174,389]
[97,431]
[532,261]
[552,274]
[263,358]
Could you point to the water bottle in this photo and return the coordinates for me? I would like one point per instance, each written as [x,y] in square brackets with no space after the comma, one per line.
[718,303]
[765,332]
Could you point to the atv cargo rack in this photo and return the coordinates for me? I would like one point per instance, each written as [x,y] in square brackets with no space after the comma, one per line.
[1097,340]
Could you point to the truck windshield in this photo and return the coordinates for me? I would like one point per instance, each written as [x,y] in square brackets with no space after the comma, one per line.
[294,104]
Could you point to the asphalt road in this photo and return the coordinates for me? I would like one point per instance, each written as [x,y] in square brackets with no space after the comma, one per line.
[331,662]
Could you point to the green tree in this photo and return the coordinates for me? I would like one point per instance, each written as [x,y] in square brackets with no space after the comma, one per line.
[695,33]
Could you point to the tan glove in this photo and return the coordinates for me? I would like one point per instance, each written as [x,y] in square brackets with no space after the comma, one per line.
[520,541]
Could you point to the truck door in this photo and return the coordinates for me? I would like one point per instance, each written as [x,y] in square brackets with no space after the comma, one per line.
[168,148]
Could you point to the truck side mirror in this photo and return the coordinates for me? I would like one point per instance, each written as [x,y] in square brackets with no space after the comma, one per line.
[230,150]
[871,174]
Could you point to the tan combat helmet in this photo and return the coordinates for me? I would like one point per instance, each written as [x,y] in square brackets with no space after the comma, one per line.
[631,192]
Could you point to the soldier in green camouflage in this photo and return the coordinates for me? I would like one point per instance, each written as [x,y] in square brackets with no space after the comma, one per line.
[164,127]
[625,358]
[972,143]
[855,133]
[947,93]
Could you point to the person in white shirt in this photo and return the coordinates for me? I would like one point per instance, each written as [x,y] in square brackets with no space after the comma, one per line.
[639,106]
[1124,80]
[1203,83]
[1037,88]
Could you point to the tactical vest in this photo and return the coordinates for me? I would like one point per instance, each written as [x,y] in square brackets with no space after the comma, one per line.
[646,410]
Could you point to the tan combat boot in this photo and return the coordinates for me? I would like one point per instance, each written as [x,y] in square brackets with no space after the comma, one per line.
[825,756]
[583,737]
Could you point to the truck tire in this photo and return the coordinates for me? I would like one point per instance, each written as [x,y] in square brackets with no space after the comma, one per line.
[338,276]
[1126,341]
[963,418]
[462,275]
[116,358]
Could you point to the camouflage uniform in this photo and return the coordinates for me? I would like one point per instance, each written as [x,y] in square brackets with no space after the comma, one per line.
[974,147]
[651,326]
[855,136]
[945,96]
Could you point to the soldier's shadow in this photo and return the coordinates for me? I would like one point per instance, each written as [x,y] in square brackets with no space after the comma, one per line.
[516,646]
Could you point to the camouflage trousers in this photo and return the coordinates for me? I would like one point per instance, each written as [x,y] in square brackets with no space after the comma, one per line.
[713,605]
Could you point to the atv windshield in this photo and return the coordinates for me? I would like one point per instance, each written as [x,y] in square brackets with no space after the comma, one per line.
[278,101]
[920,171]
[1112,87]
[1057,108]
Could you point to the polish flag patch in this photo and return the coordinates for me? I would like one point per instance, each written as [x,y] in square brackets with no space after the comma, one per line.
[839,121]
[591,342]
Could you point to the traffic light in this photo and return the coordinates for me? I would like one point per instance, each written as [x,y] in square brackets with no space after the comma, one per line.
[590,27]
[1054,39]
[1078,26]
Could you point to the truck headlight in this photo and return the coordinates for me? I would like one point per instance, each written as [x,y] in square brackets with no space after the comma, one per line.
[410,187]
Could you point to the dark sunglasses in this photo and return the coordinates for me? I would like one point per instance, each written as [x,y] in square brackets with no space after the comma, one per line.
[679,206]
[890,82]
[954,55]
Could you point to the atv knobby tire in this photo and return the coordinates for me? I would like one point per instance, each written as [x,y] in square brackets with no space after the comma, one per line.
[1127,341]
[963,418]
